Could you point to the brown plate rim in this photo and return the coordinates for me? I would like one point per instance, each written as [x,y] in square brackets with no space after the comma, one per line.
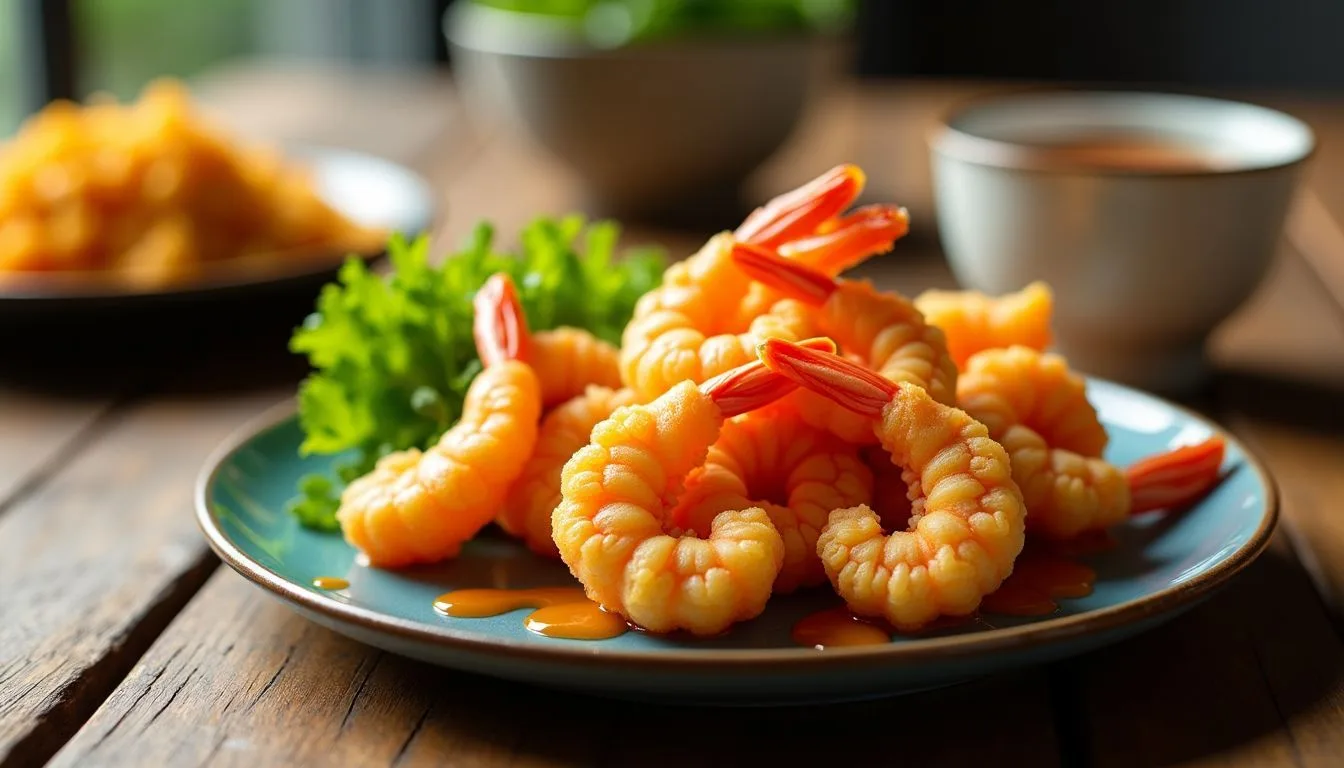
[1162,602]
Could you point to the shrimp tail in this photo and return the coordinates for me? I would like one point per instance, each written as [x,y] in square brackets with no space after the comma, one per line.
[826,373]
[798,212]
[793,279]
[753,385]
[499,327]
[850,240]
[1175,478]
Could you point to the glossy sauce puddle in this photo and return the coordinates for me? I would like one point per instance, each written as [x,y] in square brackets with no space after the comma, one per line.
[563,612]
[1041,576]
[1038,580]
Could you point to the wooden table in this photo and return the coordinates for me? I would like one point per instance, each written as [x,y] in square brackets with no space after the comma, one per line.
[122,640]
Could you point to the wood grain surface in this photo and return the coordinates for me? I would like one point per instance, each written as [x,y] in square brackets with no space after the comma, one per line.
[121,657]
[99,559]
[99,547]
[1254,677]
[238,679]
[37,433]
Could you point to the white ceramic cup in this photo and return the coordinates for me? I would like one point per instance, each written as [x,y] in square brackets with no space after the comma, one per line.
[1144,262]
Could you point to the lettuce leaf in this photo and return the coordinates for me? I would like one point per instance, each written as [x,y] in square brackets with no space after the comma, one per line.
[393,355]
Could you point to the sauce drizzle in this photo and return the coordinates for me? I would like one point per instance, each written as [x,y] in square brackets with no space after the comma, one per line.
[837,627]
[330,582]
[576,621]
[562,612]
[482,603]
[1037,581]
[1039,578]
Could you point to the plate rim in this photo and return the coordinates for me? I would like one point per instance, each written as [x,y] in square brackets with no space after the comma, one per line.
[1166,601]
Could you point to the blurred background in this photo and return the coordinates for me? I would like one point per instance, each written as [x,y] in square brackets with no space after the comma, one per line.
[278,68]
[62,48]
[649,110]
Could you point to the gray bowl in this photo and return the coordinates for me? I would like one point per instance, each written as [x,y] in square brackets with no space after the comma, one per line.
[1144,263]
[645,127]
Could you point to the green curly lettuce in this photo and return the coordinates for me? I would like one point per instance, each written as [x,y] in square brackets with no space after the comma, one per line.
[393,355]
[612,23]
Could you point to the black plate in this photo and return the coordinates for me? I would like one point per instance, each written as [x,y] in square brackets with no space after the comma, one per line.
[79,312]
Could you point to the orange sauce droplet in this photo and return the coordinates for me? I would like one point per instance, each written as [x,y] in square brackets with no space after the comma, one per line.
[835,627]
[576,621]
[564,612]
[481,603]
[1037,581]
[330,582]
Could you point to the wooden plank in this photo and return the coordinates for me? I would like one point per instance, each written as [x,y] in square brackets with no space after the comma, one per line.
[1325,114]
[1307,468]
[1257,676]
[1281,383]
[238,679]
[1254,677]
[98,560]
[1317,236]
[36,433]
[1287,332]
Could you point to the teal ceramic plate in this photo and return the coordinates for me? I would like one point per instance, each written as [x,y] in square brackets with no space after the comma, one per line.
[1161,566]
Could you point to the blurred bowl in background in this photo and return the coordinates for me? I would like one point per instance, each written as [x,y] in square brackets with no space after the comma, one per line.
[1152,216]
[647,127]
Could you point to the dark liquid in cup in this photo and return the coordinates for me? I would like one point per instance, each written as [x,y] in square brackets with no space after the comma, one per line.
[1129,152]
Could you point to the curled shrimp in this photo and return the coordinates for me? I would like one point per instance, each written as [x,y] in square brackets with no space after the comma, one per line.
[577,372]
[420,507]
[967,523]
[795,472]
[568,360]
[879,329]
[973,321]
[1034,405]
[801,223]
[613,526]
[707,316]
[536,493]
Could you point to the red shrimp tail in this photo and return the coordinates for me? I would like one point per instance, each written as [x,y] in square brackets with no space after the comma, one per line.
[850,240]
[752,385]
[1175,478]
[788,277]
[500,327]
[849,384]
[797,213]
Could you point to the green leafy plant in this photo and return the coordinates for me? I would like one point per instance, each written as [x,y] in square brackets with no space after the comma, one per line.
[394,354]
[612,23]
